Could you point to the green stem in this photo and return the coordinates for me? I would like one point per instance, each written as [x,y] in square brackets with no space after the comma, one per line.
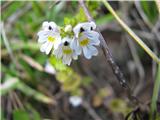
[131,33]
[155,93]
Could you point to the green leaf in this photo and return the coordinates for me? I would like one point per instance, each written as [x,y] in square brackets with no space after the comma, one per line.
[27,68]
[29,114]
[150,9]
[104,19]
[22,33]
[16,5]
[93,6]
[55,12]
[37,8]
[33,93]
[2,114]
[33,113]
[80,17]
[14,83]
[20,115]
[156,89]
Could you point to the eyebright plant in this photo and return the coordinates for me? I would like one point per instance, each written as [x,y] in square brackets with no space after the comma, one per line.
[68,42]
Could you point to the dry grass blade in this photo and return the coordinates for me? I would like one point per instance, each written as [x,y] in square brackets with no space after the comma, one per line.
[32,62]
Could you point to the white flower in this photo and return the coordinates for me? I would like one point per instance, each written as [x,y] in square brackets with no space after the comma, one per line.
[49,37]
[85,39]
[75,100]
[65,52]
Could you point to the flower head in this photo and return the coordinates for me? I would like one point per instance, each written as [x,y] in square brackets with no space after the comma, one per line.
[82,38]
[65,52]
[49,37]
[85,39]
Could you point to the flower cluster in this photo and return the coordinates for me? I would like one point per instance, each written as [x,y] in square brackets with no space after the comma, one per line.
[81,39]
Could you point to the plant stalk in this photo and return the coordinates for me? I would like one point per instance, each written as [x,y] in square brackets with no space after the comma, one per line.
[131,33]
[156,90]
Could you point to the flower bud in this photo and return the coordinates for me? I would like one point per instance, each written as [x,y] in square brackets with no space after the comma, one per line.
[75,101]
[68,28]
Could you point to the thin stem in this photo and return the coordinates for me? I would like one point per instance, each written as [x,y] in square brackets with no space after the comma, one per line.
[116,70]
[155,92]
[91,111]
[131,33]
[7,44]
[106,50]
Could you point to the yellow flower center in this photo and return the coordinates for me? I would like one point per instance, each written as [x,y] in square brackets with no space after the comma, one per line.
[51,39]
[84,42]
[67,51]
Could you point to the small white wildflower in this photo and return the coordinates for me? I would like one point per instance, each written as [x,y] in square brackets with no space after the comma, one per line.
[49,37]
[49,68]
[85,39]
[75,100]
[65,52]
[68,28]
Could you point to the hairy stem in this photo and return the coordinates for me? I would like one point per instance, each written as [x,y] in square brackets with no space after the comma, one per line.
[116,70]
[106,50]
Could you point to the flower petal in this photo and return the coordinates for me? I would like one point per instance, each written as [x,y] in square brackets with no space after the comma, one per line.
[93,25]
[58,52]
[45,24]
[75,46]
[69,59]
[57,42]
[53,24]
[49,47]
[43,47]
[42,39]
[76,29]
[93,36]
[66,59]
[42,36]
[44,33]
[86,27]
[87,53]
[93,50]
[74,56]
[68,39]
